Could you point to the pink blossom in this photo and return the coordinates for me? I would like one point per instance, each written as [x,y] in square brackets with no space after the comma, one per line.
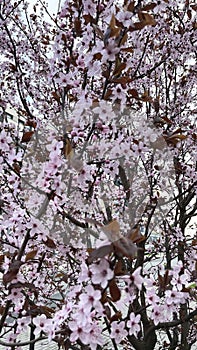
[96,337]
[79,333]
[15,295]
[126,18]
[62,314]
[139,149]
[133,324]
[152,297]
[90,298]
[84,274]
[136,278]
[89,7]
[180,281]
[157,314]
[111,51]
[41,322]
[118,331]
[22,324]
[5,140]
[101,273]
[175,297]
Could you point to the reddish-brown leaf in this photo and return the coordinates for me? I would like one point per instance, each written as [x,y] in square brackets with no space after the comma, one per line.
[1,309]
[46,310]
[146,18]
[31,123]
[146,97]
[174,138]
[119,269]
[100,252]
[138,26]
[114,290]
[89,19]
[13,67]
[10,275]
[107,311]
[68,150]
[127,49]
[12,272]
[167,120]
[117,316]
[189,14]
[112,230]
[30,286]
[55,96]
[104,297]
[163,280]
[16,167]
[194,242]
[108,94]
[124,39]
[2,259]
[50,243]
[27,136]
[133,93]
[98,31]
[31,255]
[106,73]
[64,38]
[119,68]
[97,56]
[136,237]
[112,30]
[125,247]
[77,26]
[149,7]
[130,7]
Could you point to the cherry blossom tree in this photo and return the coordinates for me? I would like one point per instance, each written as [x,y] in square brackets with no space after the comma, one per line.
[98,194]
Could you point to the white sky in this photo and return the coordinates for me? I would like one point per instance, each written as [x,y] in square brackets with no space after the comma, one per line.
[54,5]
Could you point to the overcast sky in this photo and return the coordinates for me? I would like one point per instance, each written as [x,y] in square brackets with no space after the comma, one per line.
[54,5]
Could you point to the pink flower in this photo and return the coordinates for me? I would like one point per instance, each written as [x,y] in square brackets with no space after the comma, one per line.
[51,168]
[96,337]
[157,314]
[151,296]
[22,324]
[84,274]
[118,331]
[130,292]
[139,149]
[111,50]
[125,18]
[41,323]
[101,273]
[136,278]
[176,269]
[89,8]
[61,315]
[15,295]
[4,141]
[133,324]
[90,298]
[180,281]
[174,297]
[54,147]
[78,332]
[36,228]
